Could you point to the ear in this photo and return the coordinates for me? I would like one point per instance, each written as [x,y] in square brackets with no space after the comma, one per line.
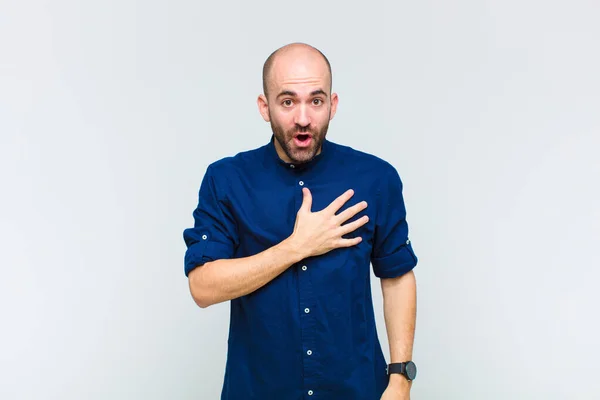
[263,107]
[334,104]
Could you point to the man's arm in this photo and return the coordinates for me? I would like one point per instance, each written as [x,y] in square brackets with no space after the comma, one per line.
[315,233]
[400,309]
[226,279]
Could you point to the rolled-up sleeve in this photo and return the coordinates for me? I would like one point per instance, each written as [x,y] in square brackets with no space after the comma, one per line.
[214,234]
[392,254]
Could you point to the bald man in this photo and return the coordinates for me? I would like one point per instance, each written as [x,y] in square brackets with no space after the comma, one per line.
[287,233]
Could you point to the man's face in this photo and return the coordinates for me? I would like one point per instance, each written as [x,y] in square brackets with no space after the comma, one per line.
[299,106]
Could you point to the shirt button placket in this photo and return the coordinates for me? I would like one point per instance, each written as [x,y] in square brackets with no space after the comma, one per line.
[307,308]
[307,326]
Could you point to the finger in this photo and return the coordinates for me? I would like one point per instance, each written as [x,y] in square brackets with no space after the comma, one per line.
[306,200]
[349,242]
[351,211]
[336,204]
[352,226]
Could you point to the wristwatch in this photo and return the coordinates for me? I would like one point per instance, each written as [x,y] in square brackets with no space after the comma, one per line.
[408,369]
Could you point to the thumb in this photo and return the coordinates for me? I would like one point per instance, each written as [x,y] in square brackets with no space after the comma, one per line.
[306,200]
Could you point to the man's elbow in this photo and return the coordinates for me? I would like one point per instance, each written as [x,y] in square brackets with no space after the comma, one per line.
[201,301]
[198,289]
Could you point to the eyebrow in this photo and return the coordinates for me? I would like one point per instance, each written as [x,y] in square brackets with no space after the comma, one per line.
[294,94]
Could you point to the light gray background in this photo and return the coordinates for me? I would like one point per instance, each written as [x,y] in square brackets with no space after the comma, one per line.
[110,112]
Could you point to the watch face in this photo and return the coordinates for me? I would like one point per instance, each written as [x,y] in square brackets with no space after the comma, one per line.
[411,370]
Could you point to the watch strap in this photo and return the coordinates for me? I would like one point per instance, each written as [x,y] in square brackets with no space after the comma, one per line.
[397,368]
[407,369]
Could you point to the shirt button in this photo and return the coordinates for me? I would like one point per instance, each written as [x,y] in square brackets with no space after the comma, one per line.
[292,166]
[309,352]
[301,183]
[204,237]
[304,268]
[307,310]
[408,241]
[310,392]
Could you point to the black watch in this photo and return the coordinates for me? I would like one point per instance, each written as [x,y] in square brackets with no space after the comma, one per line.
[408,369]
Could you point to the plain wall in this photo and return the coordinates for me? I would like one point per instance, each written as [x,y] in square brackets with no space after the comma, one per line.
[110,112]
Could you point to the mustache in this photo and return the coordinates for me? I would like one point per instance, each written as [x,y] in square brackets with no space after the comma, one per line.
[303,129]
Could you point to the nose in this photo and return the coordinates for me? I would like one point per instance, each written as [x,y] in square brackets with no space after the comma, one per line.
[302,117]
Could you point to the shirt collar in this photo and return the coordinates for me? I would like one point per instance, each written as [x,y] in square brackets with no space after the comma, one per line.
[326,150]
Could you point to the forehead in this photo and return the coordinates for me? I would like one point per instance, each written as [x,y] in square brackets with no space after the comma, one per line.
[299,71]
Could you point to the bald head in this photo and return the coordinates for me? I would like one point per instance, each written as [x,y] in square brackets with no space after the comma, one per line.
[294,55]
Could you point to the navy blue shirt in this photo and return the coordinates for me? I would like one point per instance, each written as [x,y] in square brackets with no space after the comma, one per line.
[309,333]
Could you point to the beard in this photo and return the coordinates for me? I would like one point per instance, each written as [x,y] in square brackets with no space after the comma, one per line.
[296,154]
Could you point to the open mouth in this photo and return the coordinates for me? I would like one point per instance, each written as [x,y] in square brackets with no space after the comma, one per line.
[303,140]
[303,137]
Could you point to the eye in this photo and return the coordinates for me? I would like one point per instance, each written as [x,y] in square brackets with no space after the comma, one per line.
[287,103]
[317,102]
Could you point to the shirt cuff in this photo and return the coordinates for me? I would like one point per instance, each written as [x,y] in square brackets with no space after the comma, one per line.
[204,251]
[395,264]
